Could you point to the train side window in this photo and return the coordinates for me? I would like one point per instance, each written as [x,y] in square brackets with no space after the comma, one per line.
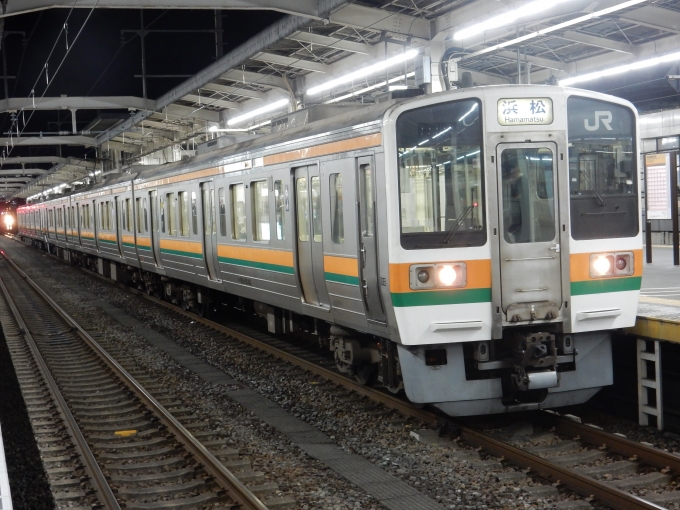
[260,201]
[172,214]
[316,209]
[337,216]
[146,216]
[238,212]
[183,213]
[194,213]
[223,212]
[279,206]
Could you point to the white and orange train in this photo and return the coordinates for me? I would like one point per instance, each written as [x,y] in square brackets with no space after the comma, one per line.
[474,248]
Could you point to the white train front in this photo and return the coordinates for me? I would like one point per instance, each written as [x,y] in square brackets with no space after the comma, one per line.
[474,248]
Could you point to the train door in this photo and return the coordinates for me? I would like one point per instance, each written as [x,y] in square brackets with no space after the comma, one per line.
[531,282]
[155,231]
[368,241]
[118,226]
[309,235]
[209,230]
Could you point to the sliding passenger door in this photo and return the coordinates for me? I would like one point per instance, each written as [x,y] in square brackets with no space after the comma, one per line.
[209,230]
[155,231]
[368,241]
[309,235]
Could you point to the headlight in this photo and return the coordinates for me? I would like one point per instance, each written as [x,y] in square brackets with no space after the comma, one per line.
[9,221]
[605,265]
[447,276]
[442,276]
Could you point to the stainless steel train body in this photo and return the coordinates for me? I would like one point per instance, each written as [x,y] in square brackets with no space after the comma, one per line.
[475,247]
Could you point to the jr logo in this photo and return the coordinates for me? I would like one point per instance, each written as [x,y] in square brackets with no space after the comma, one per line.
[604,117]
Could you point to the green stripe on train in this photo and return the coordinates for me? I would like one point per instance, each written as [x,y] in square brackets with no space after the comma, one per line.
[342,278]
[442,297]
[182,253]
[605,285]
[257,265]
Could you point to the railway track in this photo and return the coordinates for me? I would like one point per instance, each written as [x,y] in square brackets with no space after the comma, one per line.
[105,439]
[567,454]
[563,465]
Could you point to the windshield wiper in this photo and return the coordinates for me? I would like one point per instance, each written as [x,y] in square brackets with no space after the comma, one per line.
[459,222]
[585,176]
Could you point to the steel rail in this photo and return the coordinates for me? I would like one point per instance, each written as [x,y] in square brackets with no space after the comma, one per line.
[234,487]
[399,405]
[582,484]
[100,484]
[573,480]
[623,446]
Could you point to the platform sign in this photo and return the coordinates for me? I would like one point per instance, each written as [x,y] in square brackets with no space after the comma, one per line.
[658,192]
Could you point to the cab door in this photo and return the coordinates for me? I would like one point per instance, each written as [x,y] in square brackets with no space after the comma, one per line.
[209,229]
[368,241]
[309,235]
[531,281]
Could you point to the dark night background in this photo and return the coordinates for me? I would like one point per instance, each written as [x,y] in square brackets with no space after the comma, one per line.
[104,61]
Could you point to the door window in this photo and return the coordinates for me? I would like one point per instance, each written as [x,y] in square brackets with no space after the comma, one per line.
[337,218]
[194,214]
[183,213]
[280,207]
[316,209]
[238,212]
[302,209]
[223,212]
[528,198]
[260,201]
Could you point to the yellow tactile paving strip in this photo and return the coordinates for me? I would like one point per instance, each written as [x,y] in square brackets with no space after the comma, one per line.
[658,319]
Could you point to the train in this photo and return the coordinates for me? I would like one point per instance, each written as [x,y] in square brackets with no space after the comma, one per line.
[473,248]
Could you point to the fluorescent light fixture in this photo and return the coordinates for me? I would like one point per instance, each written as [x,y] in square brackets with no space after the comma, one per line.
[397,87]
[506,18]
[372,87]
[474,107]
[366,71]
[254,113]
[621,69]
[548,30]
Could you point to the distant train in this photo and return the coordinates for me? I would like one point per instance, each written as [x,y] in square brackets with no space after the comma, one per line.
[8,222]
[475,247]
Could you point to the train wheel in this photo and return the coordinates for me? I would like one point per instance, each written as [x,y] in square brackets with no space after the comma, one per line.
[366,374]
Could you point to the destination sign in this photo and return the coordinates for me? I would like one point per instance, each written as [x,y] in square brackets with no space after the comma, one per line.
[525,111]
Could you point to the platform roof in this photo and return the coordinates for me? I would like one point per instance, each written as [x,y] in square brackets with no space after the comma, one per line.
[319,40]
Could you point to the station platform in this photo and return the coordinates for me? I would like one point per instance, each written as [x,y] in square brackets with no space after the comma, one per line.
[659,308]
[5,496]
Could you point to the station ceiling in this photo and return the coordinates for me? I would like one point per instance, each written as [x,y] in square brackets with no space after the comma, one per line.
[95,108]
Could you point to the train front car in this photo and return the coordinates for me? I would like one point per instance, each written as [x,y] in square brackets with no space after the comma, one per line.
[514,244]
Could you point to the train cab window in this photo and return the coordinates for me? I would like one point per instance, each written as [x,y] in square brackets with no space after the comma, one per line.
[183,213]
[238,212]
[260,203]
[194,213]
[223,212]
[280,208]
[337,217]
[172,214]
[602,169]
[441,176]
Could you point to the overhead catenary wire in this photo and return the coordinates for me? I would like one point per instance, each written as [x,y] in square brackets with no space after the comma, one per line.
[68,51]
